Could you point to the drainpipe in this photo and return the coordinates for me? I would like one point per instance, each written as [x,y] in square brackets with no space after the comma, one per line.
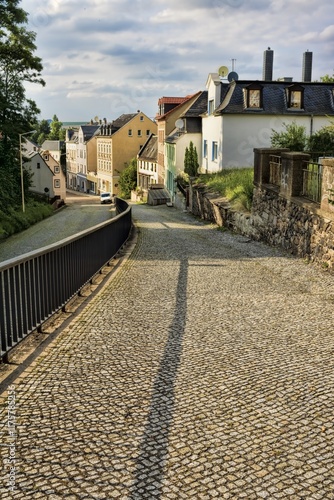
[311,126]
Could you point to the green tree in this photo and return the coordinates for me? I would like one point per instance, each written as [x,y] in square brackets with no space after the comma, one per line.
[322,141]
[18,65]
[128,179]
[327,79]
[42,131]
[57,133]
[191,160]
[293,137]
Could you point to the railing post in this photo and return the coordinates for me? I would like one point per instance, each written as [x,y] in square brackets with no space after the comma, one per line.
[327,184]
[262,164]
[292,173]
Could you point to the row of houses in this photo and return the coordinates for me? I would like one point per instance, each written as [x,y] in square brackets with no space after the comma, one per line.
[225,122]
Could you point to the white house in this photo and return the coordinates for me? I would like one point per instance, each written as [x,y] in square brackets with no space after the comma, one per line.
[187,128]
[242,114]
[48,178]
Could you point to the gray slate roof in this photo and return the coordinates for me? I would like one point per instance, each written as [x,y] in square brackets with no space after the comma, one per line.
[198,107]
[89,131]
[150,149]
[318,98]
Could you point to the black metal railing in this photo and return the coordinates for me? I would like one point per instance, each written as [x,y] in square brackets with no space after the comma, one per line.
[36,285]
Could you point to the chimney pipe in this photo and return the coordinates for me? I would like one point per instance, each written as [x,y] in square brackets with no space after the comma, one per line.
[268,59]
[307,66]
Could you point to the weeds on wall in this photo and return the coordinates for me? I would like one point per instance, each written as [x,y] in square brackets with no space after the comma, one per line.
[234,184]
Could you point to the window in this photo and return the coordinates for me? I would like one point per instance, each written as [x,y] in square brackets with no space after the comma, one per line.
[57,170]
[141,118]
[211,107]
[253,96]
[254,99]
[205,149]
[130,132]
[38,165]
[295,95]
[214,151]
[295,99]
[56,183]
[139,133]
[148,132]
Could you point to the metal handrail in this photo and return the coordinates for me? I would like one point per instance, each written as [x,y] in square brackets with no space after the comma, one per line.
[37,284]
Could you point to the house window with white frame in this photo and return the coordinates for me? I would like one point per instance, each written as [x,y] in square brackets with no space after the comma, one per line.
[211,107]
[214,151]
[205,148]
[57,170]
[139,133]
[130,132]
[57,183]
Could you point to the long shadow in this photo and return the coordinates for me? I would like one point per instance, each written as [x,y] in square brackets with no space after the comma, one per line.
[149,473]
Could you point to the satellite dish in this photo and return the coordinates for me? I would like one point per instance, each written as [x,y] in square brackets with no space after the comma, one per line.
[179,123]
[223,71]
[233,76]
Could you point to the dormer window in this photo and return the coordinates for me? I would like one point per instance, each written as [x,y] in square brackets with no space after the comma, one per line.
[254,99]
[254,96]
[295,97]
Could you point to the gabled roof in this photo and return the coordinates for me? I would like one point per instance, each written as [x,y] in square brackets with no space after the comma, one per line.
[178,107]
[172,100]
[318,98]
[123,120]
[198,107]
[89,131]
[149,151]
[29,156]
[52,145]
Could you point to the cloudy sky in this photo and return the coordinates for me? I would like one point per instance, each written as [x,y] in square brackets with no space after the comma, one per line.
[108,57]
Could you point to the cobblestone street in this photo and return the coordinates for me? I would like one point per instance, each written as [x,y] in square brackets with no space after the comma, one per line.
[202,369]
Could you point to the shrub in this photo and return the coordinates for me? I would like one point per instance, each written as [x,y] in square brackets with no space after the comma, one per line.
[14,220]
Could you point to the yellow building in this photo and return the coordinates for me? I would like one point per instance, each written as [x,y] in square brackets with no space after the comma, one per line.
[117,144]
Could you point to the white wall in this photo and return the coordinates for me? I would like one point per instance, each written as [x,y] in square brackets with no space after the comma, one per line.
[243,133]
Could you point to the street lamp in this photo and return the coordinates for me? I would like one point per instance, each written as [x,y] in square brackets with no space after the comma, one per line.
[21,168]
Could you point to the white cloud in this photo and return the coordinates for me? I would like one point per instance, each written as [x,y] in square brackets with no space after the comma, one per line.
[119,55]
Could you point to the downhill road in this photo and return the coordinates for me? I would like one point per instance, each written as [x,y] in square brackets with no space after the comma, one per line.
[202,369]
[81,212]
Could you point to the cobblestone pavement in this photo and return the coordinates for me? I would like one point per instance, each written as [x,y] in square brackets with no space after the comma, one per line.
[202,369]
[81,212]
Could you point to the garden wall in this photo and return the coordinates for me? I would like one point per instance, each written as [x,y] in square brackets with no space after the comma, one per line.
[279,217]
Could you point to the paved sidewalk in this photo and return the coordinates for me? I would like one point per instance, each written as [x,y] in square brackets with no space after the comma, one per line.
[203,369]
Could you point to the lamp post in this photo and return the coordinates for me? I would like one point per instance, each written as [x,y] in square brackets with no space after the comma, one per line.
[21,167]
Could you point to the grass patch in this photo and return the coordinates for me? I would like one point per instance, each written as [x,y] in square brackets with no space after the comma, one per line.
[235,184]
[14,220]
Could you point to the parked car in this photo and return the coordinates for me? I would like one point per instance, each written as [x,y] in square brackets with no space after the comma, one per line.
[105,198]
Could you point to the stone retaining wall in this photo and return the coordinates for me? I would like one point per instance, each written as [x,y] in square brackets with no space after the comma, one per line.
[293,223]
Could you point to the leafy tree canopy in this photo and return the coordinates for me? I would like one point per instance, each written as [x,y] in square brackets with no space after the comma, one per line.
[128,179]
[18,65]
[293,137]
[327,79]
